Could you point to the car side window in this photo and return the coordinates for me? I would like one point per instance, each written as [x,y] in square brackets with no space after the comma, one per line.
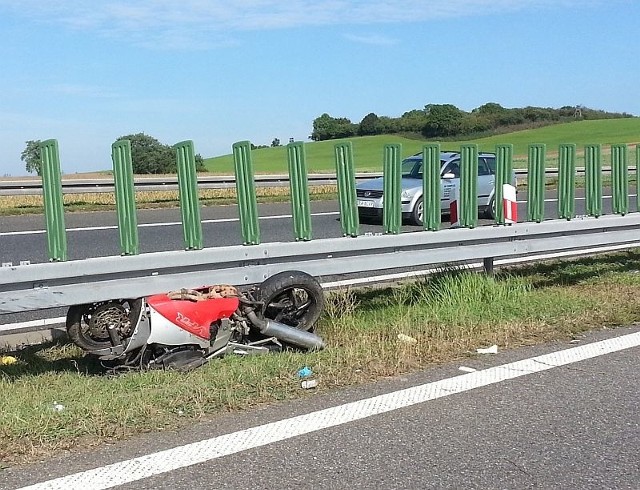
[491,162]
[453,168]
[483,168]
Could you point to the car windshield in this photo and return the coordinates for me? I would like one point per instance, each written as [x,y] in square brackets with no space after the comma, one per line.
[412,168]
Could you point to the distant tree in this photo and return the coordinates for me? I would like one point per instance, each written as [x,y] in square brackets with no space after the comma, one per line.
[413,121]
[326,127]
[369,125]
[442,120]
[31,157]
[490,108]
[275,142]
[149,156]
[388,125]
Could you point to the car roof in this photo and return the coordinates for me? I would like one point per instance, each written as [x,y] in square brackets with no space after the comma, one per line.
[446,156]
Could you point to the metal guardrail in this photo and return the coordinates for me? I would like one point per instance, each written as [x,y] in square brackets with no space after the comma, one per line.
[60,284]
[69,186]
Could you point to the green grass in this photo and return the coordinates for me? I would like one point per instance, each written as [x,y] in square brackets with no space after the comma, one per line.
[448,316]
[368,150]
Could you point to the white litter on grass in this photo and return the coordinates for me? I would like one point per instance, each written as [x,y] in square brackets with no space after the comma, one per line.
[467,369]
[489,350]
[405,338]
[309,384]
[58,407]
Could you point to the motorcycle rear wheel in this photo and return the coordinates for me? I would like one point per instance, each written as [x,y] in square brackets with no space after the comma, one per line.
[91,335]
[294,298]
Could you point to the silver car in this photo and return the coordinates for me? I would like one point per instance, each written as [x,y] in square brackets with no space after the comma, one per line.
[369,193]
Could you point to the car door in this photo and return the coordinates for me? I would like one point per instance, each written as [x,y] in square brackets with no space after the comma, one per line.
[486,182]
[446,185]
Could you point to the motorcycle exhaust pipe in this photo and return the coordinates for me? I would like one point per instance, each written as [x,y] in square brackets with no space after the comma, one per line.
[287,334]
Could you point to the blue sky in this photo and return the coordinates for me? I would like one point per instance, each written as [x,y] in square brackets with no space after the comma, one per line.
[88,71]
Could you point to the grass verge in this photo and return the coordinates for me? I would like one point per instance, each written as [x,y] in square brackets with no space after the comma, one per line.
[448,315]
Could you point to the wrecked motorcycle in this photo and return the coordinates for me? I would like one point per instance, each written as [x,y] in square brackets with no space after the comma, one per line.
[183,329]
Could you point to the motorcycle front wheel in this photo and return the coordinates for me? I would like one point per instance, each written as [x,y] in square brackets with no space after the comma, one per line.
[87,324]
[294,298]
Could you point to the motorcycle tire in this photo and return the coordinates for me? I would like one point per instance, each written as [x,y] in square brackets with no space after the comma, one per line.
[79,330]
[294,298]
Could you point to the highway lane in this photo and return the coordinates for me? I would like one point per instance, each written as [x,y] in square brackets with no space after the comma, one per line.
[95,234]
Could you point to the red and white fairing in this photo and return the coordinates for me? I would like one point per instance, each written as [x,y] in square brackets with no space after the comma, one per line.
[179,322]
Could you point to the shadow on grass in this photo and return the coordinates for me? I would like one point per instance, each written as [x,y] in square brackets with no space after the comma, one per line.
[57,356]
[569,272]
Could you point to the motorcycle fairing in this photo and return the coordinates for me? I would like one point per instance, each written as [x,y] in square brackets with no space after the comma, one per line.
[194,317]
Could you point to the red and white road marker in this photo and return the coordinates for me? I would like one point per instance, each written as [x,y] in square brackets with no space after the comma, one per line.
[509,204]
[453,208]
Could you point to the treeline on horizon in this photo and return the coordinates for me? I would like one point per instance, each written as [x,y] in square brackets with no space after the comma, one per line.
[447,121]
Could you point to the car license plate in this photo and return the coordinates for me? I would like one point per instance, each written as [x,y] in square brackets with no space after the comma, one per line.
[365,204]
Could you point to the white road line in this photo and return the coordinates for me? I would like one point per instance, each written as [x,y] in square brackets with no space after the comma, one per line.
[153,225]
[43,322]
[199,452]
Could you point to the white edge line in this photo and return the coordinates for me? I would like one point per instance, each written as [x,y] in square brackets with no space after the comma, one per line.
[43,322]
[153,464]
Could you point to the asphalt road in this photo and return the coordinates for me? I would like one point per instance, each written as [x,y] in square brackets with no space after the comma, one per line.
[95,234]
[570,427]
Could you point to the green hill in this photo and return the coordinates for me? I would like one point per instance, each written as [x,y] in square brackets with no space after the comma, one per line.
[368,150]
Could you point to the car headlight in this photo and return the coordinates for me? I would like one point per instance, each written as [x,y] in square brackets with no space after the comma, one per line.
[407,195]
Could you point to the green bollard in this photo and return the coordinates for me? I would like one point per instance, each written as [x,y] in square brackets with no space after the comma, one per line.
[504,169]
[53,202]
[431,187]
[246,191]
[637,177]
[468,195]
[347,199]
[188,189]
[392,176]
[125,197]
[566,181]
[299,187]
[535,183]
[619,179]
[593,174]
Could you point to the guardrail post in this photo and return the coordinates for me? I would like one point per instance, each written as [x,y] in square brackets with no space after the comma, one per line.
[299,187]
[188,190]
[536,183]
[593,179]
[125,197]
[468,186]
[431,187]
[347,199]
[392,175]
[53,202]
[246,191]
[504,169]
[620,179]
[566,181]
